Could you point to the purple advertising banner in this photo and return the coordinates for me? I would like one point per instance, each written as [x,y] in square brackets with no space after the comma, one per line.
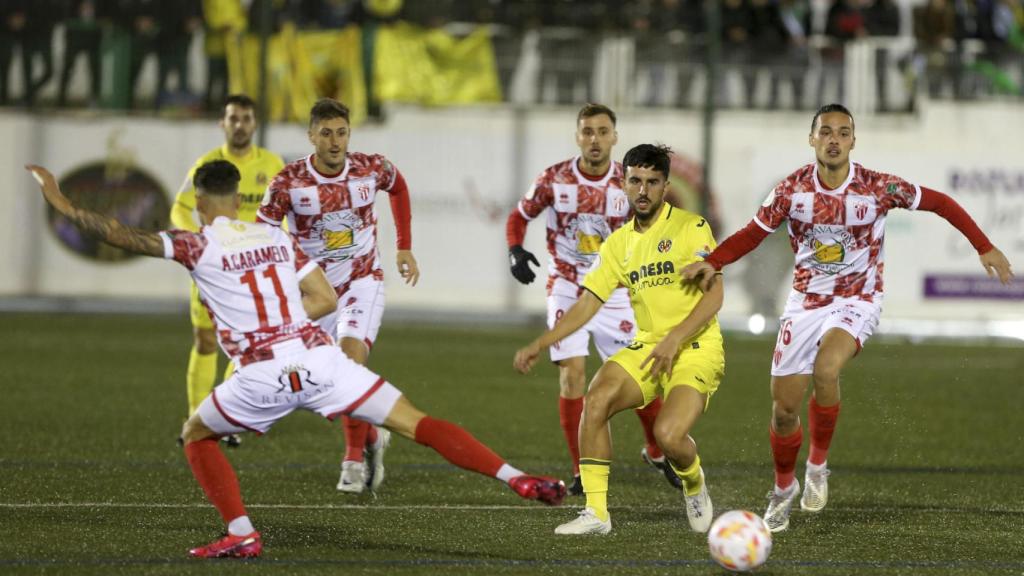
[971,286]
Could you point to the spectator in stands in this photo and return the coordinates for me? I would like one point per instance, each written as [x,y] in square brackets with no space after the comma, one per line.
[780,45]
[142,24]
[224,21]
[737,29]
[12,22]
[845,22]
[83,34]
[694,27]
[326,14]
[41,17]
[934,29]
[178,21]
[882,19]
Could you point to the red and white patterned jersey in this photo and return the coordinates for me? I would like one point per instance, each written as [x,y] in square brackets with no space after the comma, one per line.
[582,213]
[333,216]
[837,235]
[248,278]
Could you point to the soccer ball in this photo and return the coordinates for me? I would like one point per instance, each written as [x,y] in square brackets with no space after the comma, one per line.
[739,541]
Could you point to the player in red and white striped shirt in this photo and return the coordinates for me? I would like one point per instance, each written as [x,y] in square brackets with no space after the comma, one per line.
[585,203]
[328,198]
[262,292]
[836,212]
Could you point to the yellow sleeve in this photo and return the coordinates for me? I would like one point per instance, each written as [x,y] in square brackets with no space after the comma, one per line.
[183,211]
[603,277]
[703,240]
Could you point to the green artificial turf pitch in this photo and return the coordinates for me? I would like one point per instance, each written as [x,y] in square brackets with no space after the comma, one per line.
[928,464]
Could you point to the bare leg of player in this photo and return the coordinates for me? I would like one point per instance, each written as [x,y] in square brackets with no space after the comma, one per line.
[612,391]
[460,448]
[679,414]
[836,349]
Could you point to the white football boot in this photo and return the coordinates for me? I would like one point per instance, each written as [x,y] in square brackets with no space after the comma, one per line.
[779,507]
[815,490]
[375,458]
[699,510]
[586,523]
[353,477]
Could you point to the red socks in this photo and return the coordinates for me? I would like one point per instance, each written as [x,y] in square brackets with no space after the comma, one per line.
[457,446]
[784,451]
[821,424]
[570,410]
[356,436]
[648,414]
[215,474]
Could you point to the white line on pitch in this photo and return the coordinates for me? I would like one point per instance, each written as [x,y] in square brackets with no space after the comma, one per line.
[13,505]
[275,506]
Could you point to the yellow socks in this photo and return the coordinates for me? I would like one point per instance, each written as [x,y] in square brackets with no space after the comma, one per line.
[202,370]
[690,477]
[594,475]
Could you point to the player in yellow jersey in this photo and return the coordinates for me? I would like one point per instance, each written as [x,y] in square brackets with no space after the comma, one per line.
[677,352]
[258,166]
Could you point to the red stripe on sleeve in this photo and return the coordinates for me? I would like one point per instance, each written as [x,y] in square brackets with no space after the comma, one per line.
[943,205]
[737,245]
[515,228]
[401,210]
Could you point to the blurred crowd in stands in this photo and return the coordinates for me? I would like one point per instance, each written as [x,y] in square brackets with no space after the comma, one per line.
[960,49]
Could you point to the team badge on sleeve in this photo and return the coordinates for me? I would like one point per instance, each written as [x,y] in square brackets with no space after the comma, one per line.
[704,252]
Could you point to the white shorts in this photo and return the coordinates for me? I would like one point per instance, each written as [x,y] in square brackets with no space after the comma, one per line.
[612,328]
[321,380]
[801,331]
[359,313]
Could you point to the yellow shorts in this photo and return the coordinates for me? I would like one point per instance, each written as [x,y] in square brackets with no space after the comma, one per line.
[199,314]
[699,368]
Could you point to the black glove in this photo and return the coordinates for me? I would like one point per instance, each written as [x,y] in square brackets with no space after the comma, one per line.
[521,264]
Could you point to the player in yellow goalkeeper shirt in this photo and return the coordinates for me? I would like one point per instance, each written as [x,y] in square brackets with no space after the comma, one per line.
[258,167]
[677,352]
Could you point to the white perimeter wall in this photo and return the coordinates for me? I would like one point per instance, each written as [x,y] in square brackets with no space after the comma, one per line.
[466,167]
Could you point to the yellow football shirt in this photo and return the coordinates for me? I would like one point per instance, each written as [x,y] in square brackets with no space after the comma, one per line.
[648,264]
[257,169]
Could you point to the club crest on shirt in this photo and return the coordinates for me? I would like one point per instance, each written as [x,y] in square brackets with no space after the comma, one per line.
[892,188]
[664,245]
[261,178]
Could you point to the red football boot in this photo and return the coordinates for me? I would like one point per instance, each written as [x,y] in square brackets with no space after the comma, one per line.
[249,546]
[546,489]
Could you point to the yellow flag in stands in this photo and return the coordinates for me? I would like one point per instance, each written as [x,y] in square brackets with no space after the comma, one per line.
[432,67]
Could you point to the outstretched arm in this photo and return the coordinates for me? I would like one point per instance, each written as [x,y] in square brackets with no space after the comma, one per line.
[994,262]
[104,227]
[663,356]
[732,249]
[574,319]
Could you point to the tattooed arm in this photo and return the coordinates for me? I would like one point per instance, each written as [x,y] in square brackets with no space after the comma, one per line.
[104,227]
